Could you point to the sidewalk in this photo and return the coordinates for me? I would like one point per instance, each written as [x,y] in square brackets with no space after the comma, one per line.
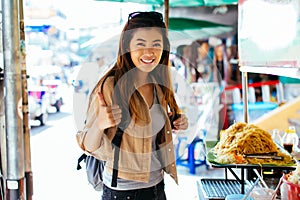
[187,188]
[54,159]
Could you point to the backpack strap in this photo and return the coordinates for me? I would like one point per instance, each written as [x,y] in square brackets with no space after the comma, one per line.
[117,142]
[124,105]
[81,158]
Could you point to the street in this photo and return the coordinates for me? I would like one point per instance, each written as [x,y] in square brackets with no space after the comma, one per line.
[54,154]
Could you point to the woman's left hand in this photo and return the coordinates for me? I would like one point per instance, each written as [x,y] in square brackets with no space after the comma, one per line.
[181,123]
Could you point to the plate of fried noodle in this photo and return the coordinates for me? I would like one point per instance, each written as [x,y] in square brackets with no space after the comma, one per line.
[242,139]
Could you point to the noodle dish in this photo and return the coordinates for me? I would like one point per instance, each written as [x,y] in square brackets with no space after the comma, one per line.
[244,143]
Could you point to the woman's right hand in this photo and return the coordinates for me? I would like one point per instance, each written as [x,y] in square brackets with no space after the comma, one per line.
[109,115]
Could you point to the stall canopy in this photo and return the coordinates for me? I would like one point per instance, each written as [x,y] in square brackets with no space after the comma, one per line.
[202,22]
[180,3]
[188,20]
[220,5]
[181,24]
[182,31]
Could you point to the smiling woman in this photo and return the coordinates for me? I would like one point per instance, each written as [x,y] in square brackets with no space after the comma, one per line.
[131,107]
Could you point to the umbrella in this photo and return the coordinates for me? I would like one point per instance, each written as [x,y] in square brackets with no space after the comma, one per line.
[193,14]
[181,24]
[189,21]
[180,3]
[181,31]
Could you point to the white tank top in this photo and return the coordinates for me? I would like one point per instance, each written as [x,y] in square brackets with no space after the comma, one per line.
[156,175]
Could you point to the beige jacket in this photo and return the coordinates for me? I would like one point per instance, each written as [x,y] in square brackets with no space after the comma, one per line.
[135,151]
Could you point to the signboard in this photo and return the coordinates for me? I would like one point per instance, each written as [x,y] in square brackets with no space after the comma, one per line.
[269,33]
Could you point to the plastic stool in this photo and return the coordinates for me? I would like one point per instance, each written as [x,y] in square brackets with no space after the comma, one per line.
[190,161]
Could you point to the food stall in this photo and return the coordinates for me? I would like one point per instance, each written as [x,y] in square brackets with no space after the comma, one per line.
[243,147]
[269,43]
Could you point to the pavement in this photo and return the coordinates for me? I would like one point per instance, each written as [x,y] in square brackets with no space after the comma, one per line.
[54,154]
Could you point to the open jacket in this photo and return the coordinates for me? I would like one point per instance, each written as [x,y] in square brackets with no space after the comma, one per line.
[136,149]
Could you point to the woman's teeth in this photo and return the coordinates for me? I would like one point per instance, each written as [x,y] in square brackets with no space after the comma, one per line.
[147,61]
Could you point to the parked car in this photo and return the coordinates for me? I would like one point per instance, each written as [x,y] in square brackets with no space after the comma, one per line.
[48,76]
[38,103]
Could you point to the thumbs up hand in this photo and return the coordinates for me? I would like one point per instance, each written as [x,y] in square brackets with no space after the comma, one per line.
[109,115]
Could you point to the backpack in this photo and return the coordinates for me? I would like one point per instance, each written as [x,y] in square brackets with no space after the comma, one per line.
[94,170]
[95,167]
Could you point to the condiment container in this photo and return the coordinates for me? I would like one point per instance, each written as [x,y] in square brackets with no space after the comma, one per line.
[290,139]
[259,193]
[276,136]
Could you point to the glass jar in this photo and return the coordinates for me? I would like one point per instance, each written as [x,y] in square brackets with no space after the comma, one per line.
[277,137]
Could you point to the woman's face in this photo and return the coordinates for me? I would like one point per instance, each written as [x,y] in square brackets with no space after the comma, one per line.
[146,48]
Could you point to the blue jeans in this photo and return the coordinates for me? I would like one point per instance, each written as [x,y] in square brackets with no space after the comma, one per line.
[156,192]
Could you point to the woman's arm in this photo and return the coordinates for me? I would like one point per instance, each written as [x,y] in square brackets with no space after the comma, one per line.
[181,123]
[100,117]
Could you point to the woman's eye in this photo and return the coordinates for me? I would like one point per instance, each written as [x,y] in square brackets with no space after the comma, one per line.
[140,44]
[157,45]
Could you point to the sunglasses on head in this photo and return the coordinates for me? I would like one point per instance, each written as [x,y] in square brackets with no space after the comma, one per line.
[144,15]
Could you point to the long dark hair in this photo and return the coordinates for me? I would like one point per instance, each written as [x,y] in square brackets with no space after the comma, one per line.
[124,64]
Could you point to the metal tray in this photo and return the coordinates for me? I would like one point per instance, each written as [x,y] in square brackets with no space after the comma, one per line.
[220,188]
[211,159]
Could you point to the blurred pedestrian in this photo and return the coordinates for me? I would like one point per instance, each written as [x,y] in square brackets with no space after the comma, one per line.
[234,73]
[96,71]
[100,63]
[221,64]
[180,62]
[201,62]
[220,76]
[135,98]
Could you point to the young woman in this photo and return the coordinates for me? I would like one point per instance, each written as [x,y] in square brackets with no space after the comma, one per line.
[136,97]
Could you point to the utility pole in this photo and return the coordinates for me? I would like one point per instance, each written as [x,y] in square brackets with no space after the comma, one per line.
[3,155]
[2,131]
[25,109]
[13,101]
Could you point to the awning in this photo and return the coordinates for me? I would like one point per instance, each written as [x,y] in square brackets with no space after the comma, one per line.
[180,3]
